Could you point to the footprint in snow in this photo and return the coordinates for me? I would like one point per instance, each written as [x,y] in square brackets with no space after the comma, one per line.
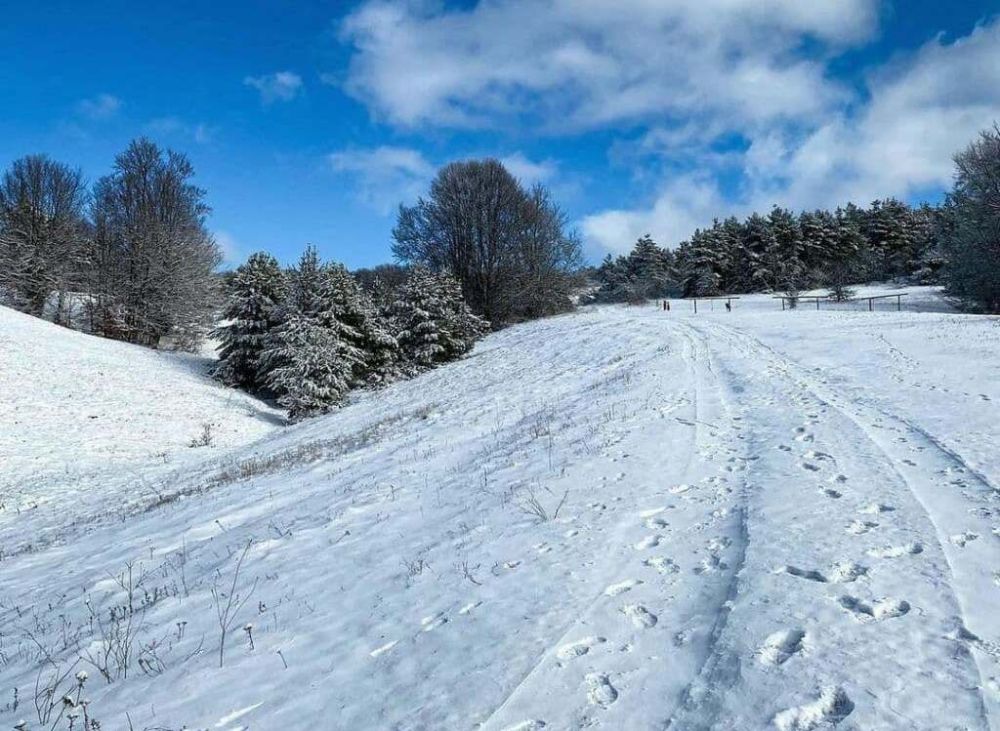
[781,646]
[647,542]
[662,564]
[831,493]
[845,572]
[907,549]
[860,527]
[832,707]
[818,456]
[810,575]
[469,607]
[963,538]
[383,649]
[428,624]
[621,587]
[600,692]
[656,523]
[578,648]
[810,466]
[711,564]
[878,610]
[641,617]
[876,509]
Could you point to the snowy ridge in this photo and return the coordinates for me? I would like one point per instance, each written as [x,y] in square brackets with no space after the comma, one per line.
[616,519]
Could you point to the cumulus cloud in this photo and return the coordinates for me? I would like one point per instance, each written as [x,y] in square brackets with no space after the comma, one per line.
[529,171]
[386,175]
[718,107]
[100,107]
[920,110]
[281,86]
[576,64]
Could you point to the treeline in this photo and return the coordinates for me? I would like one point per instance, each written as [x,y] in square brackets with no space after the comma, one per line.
[956,244]
[308,335]
[782,251]
[129,257]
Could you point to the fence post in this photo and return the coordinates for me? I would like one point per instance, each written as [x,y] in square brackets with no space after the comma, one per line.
[899,303]
[871,304]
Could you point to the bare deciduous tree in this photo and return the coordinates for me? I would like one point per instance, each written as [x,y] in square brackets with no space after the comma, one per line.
[42,230]
[507,246]
[152,257]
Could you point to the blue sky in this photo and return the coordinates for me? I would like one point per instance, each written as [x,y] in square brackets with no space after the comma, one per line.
[310,122]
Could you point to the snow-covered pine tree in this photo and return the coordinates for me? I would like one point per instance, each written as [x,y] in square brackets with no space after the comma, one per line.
[254,308]
[310,373]
[648,268]
[762,254]
[703,260]
[305,282]
[366,341]
[819,239]
[430,320]
[788,240]
[461,328]
[891,233]
[735,272]
[842,258]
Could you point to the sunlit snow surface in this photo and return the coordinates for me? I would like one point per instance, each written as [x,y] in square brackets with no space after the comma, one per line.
[620,518]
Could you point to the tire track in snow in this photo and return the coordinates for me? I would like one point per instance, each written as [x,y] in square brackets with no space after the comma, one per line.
[967,586]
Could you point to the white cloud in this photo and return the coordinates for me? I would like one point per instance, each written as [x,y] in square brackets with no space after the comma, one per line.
[528,171]
[100,107]
[585,64]
[281,86]
[386,175]
[919,112]
[685,203]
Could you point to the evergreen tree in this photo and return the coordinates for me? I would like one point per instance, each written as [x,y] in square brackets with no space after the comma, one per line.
[648,269]
[349,314]
[431,321]
[700,276]
[253,309]
[305,283]
[762,253]
[788,242]
[819,240]
[892,237]
[312,371]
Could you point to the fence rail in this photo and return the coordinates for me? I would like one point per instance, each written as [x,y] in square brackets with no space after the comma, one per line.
[829,298]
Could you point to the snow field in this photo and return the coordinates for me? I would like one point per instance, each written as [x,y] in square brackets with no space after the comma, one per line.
[619,518]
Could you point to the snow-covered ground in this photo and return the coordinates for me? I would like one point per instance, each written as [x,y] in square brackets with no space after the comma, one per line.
[620,518]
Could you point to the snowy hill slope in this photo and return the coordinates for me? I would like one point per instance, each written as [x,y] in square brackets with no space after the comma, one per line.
[83,413]
[620,519]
